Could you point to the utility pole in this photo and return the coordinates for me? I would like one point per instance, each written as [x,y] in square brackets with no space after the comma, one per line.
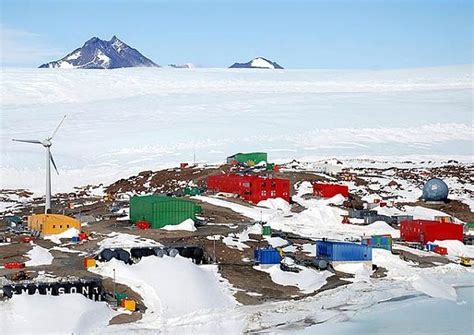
[215,258]
[114,288]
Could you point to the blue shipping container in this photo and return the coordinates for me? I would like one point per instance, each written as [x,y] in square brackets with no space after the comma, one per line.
[267,256]
[378,241]
[75,239]
[343,251]
[431,247]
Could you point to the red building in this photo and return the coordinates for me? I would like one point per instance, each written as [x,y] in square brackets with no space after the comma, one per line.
[425,231]
[330,190]
[250,188]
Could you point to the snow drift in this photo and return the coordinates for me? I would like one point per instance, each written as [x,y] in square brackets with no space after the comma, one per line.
[45,314]
[171,287]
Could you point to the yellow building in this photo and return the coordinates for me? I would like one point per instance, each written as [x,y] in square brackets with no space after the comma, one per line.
[49,224]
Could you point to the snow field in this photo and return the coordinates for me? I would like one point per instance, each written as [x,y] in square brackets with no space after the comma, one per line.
[127,103]
[45,314]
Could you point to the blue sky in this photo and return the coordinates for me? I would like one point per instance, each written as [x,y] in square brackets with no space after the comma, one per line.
[297,34]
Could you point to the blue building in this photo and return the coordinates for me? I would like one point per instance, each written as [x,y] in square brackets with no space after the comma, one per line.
[336,252]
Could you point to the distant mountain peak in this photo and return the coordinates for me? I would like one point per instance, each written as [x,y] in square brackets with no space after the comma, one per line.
[257,63]
[101,54]
[183,66]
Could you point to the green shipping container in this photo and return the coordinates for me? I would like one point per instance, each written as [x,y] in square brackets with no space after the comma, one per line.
[161,211]
[270,166]
[193,191]
[470,225]
[120,296]
[251,158]
[266,231]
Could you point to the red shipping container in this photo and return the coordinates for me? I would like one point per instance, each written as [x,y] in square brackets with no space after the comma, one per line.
[330,190]
[425,231]
[249,187]
[14,265]
[26,239]
[183,165]
[143,224]
[82,236]
[440,250]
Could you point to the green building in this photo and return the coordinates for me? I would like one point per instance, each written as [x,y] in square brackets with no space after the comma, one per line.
[161,210]
[250,158]
[192,191]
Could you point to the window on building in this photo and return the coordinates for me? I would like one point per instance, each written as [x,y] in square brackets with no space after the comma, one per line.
[68,226]
[273,194]
[274,184]
[61,227]
[54,226]
[264,184]
[264,193]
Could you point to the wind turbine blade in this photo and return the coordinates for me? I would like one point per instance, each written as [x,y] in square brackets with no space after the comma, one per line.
[57,128]
[28,141]
[52,161]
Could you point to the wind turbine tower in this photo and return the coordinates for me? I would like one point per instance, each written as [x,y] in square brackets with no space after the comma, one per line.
[46,143]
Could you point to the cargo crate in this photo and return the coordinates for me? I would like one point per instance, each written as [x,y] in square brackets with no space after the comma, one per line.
[129,304]
[14,265]
[89,262]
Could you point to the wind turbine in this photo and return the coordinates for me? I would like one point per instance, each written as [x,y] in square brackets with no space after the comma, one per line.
[49,159]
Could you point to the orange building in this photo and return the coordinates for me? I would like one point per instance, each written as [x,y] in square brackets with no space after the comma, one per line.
[49,224]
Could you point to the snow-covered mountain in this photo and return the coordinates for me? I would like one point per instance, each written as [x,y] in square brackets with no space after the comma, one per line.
[257,63]
[100,54]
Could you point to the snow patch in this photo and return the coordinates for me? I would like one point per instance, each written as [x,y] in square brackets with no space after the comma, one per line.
[185,225]
[277,203]
[307,280]
[68,234]
[39,256]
